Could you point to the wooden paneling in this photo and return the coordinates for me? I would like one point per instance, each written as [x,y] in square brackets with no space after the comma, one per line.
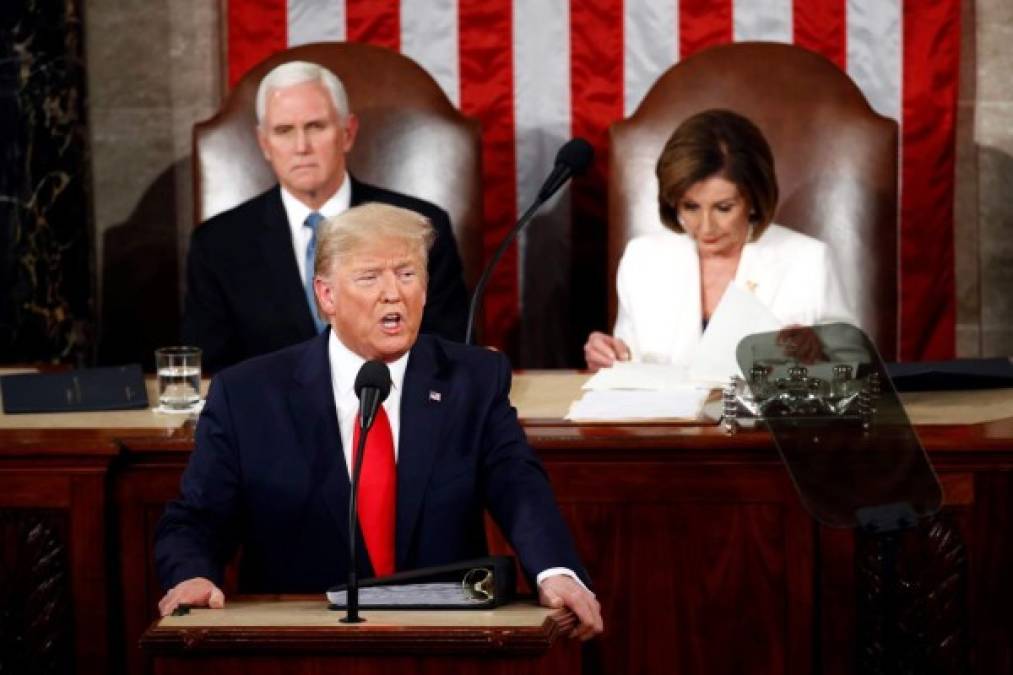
[685,559]
[696,542]
[55,552]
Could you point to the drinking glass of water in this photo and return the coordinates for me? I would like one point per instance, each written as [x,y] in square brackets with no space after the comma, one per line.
[178,371]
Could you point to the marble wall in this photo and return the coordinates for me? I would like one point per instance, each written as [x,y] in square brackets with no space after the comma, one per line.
[993,150]
[45,230]
[155,68]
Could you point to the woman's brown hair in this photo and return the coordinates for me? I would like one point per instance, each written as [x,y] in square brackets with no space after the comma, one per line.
[718,143]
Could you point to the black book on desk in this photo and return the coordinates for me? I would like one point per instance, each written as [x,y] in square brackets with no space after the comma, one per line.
[958,374]
[481,583]
[88,389]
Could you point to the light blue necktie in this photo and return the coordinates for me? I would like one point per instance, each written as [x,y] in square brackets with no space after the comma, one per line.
[312,220]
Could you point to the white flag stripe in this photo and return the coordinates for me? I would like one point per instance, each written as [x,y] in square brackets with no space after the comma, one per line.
[875,62]
[769,20]
[429,35]
[542,120]
[315,21]
[875,59]
[650,46]
[541,90]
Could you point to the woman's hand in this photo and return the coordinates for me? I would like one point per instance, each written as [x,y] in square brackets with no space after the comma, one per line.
[601,351]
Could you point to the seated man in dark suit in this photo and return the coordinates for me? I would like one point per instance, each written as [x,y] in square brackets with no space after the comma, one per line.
[249,289]
[274,445]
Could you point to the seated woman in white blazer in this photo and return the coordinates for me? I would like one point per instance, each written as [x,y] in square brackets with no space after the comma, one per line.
[717,195]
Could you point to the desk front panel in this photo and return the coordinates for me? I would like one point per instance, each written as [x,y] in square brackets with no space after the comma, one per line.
[698,547]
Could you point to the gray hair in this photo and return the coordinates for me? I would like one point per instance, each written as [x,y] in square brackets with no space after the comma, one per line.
[299,72]
[345,234]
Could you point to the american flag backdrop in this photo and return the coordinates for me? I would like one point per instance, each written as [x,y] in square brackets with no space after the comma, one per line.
[537,72]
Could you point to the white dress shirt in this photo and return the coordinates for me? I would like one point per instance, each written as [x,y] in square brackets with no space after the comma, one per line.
[297,212]
[345,365]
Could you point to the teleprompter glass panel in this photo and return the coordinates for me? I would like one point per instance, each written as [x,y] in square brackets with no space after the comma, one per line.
[839,425]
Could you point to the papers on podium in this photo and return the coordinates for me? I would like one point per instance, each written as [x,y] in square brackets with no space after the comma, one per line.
[481,583]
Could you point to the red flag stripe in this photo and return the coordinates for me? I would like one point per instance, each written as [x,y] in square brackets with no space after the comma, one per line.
[822,26]
[257,29]
[377,22]
[487,90]
[930,68]
[930,35]
[703,23]
[596,101]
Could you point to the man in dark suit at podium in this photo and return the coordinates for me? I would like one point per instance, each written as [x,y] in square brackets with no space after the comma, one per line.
[270,471]
[249,286]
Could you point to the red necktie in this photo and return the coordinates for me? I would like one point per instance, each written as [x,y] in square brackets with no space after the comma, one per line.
[377,492]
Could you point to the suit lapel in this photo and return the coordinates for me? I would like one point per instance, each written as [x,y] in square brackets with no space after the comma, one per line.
[424,403]
[315,420]
[274,239]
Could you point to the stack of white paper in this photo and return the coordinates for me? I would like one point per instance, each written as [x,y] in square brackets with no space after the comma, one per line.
[610,405]
[644,376]
[639,391]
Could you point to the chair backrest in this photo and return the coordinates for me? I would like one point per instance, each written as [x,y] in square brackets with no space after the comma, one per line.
[835,158]
[411,139]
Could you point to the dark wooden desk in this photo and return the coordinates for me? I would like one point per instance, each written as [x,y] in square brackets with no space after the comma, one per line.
[699,549]
[290,635]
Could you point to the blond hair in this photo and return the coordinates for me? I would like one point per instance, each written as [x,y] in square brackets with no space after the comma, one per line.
[347,233]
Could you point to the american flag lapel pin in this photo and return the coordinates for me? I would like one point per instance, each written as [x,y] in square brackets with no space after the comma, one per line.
[435,396]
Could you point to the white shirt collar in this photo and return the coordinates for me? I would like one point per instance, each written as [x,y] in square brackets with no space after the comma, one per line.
[345,365]
[297,211]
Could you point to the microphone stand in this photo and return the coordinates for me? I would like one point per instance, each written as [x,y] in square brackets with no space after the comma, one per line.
[487,272]
[352,592]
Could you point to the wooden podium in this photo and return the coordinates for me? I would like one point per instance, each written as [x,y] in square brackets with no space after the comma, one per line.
[299,635]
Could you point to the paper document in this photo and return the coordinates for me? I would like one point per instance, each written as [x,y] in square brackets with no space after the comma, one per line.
[434,594]
[634,375]
[630,404]
[738,314]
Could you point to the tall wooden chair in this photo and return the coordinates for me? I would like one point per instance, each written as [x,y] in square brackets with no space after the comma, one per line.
[835,158]
[411,139]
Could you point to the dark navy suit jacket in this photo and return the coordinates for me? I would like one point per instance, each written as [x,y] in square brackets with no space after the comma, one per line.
[268,473]
[245,297]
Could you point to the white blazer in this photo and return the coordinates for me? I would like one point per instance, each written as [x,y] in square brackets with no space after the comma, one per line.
[658,284]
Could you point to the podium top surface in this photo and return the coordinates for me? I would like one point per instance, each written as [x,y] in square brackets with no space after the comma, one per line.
[272,623]
[303,613]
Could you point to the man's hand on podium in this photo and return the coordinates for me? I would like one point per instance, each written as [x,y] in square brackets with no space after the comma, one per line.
[196,592]
[561,590]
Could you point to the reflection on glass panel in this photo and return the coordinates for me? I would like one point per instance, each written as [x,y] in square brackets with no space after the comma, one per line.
[837,421]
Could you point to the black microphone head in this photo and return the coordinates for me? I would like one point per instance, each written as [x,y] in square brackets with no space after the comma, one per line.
[374,375]
[576,154]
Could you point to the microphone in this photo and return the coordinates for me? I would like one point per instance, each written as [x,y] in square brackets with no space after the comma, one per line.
[571,160]
[372,386]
